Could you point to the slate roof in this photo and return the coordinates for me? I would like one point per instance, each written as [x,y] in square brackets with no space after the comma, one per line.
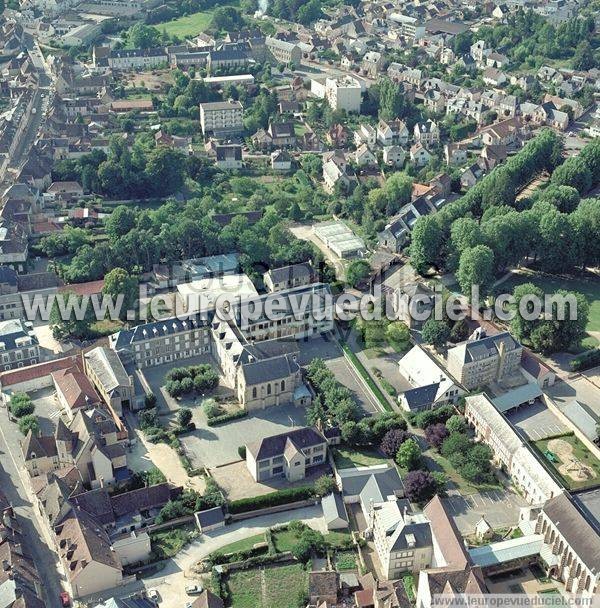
[108,367]
[167,327]
[8,275]
[11,330]
[489,346]
[333,507]
[271,369]
[288,273]
[381,481]
[421,396]
[210,517]
[275,445]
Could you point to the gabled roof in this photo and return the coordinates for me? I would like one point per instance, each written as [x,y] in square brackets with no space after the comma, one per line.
[275,445]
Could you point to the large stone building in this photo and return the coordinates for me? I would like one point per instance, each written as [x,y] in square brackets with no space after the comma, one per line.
[477,363]
[343,93]
[284,51]
[254,347]
[526,472]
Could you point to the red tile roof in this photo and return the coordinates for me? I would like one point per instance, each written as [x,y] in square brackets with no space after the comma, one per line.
[16,376]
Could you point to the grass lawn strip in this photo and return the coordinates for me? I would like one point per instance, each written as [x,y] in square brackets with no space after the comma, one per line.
[346,458]
[190,25]
[244,544]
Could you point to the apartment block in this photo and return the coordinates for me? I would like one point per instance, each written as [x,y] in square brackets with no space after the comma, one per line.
[343,93]
[19,347]
[221,118]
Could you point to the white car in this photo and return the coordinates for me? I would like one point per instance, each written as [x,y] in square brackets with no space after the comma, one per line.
[153,595]
[194,589]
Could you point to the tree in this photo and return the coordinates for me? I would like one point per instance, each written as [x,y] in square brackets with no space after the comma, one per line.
[226,18]
[420,486]
[476,267]
[165,169]
[120,221]
[392,440]
[573,172]
[29,423]
[456,424]
[21,405]
[460,331]
[398,189]
[435,333]
[398,334]
[409,455]
[584,59]
[118,282]
[211,408]
[143,36]
[184,417]
[357,271]
[426,243]
[310,541]
[455,443]
[324,485]
[71,316]
[435,434]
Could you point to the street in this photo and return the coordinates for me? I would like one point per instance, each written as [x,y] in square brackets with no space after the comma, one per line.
[12,482]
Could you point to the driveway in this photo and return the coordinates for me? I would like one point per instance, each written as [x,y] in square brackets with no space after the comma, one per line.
[172,580]
[579,388]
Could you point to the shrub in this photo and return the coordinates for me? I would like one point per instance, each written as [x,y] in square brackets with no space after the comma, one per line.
[226,418]
[150,400]
[148,419]
[184,417]
[29,423]
[420,486]
[211,408]
[324,485]
[242,452]
[456,424]
[586,360]
[409,455]
[392,441]
[435,434]
[309,541]
[272,499]
[21,405]
[439,414]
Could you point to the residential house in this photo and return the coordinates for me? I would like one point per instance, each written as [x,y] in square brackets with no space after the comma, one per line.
[364,157]
[486,359]
[494,77]
[392,132]
[286,277]
[334,172]
[419,155]
[372,63]
[229,157]
[434,101]
[427,133]
[471,175]
[394,156]
[365,134]
[281,161]
[503,133]
[402,539]
[334,511]
[291,455]
[432,385]
[455,154]
[337,136]
[74,390]
[19,346]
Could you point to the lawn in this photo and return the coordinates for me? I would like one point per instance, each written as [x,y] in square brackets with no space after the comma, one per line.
[338,538]
[284,540]
[190,25]
[243,545]
[580,453]
[588,284]
[277,587]
[346,458]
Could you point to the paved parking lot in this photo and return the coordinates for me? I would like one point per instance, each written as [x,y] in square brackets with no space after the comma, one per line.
[580,388]
[328,349]
[537,421]
[218,445]
[500,508]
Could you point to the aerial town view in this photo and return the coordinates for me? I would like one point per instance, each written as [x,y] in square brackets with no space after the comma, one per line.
[299,303]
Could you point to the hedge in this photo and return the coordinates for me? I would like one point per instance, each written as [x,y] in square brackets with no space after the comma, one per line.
[586,360]
[226,418]
[273,499]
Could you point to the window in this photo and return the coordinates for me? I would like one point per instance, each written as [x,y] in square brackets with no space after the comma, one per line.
[277,470]
[283,385]
[268,389]
[318,458]
[278,460]
[254,393]
[263,464]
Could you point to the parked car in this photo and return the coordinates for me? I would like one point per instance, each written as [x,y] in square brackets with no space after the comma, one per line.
[194,589]
[153,595]
[65,599]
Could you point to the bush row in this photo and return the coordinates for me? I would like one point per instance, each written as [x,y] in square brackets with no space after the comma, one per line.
[226,418]
[273,499]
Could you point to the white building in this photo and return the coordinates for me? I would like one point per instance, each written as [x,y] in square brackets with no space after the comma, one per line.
[343,93]
[221,118]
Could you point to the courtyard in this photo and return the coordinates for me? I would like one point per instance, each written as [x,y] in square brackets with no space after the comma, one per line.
[218,445]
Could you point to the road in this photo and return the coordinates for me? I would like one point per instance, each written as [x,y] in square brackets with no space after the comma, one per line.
[16,488]
[41,97]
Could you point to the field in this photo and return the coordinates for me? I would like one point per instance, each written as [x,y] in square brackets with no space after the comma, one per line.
[347,458]
[277,587]
[575,464]
[190,25]
[587,284]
